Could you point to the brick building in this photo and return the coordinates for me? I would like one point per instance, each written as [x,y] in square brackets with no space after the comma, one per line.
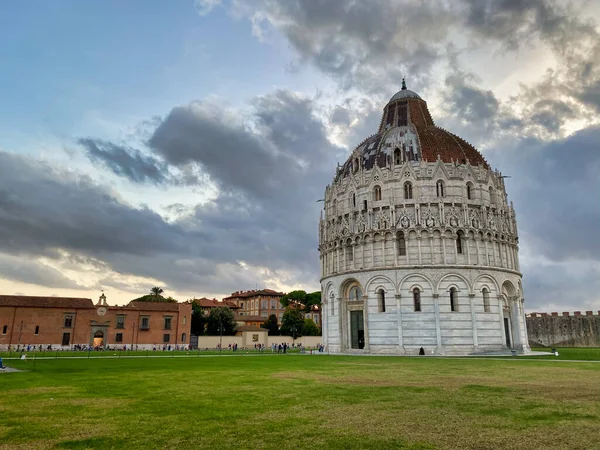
[261,303]
[64,322]
[207,304]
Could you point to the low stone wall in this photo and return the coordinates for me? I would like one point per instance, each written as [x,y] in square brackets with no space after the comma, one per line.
[213,341]
[564,329]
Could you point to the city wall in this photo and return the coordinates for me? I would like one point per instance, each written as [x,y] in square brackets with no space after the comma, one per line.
[566,329]
[213,341]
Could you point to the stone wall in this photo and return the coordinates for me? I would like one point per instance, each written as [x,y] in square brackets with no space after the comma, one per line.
[564,329]
[213,341]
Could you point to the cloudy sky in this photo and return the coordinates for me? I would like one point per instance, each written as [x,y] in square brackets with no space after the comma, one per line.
[184,144]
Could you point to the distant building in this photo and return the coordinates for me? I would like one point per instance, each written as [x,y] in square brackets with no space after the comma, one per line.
[261,303]
[65,322]
[207,305]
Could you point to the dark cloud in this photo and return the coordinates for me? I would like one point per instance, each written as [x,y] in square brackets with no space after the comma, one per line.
[125,161]
[269,172]
[370,45]
[43,209]
[467,102]
[561,287]
[555,187]
[33,272]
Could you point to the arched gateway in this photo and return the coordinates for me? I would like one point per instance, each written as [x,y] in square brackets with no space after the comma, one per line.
[419,245]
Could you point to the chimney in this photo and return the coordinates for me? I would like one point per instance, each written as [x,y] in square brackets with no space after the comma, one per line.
[589,313]
[577,313]
[533,315]
[565,314]
[554,314]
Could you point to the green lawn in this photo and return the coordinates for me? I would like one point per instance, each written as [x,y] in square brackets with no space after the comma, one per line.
[145,353]
[295,401]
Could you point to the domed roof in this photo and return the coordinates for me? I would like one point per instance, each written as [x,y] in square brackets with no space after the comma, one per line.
[408,132]
[404,93]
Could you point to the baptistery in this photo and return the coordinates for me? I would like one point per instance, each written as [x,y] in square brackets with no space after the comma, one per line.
[418,245]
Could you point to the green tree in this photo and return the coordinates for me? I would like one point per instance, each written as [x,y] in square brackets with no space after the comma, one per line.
[293,297]
[271,325]
[156,291]
[221,316]
[199,320]
[292,323]
[154,299]
[307,300]
[312,299]
[311,328]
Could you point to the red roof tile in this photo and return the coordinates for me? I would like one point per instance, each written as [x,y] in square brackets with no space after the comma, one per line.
[45,302]
[154,306]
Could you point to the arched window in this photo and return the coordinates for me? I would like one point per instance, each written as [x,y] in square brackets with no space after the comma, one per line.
[354,199]
[381,300]
[401,244]
[469,191]
[355,294]
[355,165]
[349,253]
[453,300]
[183,337]
[486,300]
[439,186]
[377,193]
[408,190]
[417,299]
[397,156]
[334,207]
[492,195]
[459,246]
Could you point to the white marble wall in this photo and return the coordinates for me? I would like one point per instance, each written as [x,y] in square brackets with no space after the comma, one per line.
[401,330]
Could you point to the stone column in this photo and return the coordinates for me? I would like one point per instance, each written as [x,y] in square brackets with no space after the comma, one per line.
[400,334]
[438,331]
[487,252]
[444,246]
[366,321]
[372,252]
[454,237]
[468,248]
[500,253]
[431,249]
[473,319]
[419,246]
[501,313]
[526,347]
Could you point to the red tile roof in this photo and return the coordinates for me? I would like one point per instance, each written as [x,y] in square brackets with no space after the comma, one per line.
[251,318]
[254,293]
[214,303]
[45,302]
[154,306]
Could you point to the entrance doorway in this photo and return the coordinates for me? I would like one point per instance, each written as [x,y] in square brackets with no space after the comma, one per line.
[357,329]
[507,332]
[98,339]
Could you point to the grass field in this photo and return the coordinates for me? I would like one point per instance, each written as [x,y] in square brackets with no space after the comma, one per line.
[295,401]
